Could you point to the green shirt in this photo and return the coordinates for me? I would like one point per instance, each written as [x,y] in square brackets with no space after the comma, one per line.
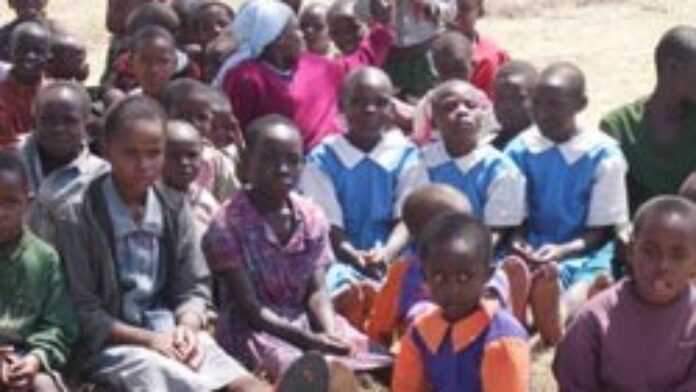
[34,301]
[651,173]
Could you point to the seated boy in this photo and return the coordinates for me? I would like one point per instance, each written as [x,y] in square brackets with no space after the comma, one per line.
[25,11]
[57,160]
[639,334]
[68,57]
[31,50]
[200,105]
[656,132]
[182,164]
[37,322]
[513,88]
[466,342]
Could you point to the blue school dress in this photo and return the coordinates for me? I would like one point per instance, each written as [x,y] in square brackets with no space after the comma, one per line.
[572,186]
[362,193]
[490,180]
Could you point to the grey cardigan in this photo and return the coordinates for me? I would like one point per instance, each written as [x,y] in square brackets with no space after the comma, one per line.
[85,241]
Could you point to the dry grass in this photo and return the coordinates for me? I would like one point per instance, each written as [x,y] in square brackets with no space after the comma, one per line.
[612,40]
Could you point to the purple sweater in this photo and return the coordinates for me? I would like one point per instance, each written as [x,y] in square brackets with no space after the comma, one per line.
[618,343]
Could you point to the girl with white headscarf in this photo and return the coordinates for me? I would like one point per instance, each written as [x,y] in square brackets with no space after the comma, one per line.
[272,73]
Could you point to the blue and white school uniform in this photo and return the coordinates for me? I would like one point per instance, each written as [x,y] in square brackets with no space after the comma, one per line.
[362,193]
[571,187]
[490,180]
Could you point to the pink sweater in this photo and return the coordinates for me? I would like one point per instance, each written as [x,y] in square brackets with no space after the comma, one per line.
[309,95]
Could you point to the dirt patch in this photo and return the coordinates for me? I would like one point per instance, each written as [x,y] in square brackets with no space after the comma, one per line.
[520,8]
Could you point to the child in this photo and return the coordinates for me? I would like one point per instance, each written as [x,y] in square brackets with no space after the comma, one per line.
[655,132]
[576,194]
[187,36]
[360,179]
[315,29]
[182,164]
[271,247]
[488,57]
[418,23]
[199,104]
[491,181]
[513,100]
[452,58]
[216,52]
[25,11]
[633,336]
[210,19]
[256,77]
[466,342]
[38,325]
[58,162]
[68,57]
[136,275]
[30,48]
[346,29]
[153,60]
[404,294]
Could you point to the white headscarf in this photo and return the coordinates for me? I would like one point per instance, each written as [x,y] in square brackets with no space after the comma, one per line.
[258,24]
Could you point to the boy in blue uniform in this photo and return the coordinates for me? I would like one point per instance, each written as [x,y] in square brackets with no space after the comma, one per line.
[576,194]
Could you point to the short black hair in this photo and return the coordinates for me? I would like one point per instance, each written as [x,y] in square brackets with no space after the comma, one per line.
[664,205]
[26,28]
[11,162]
[258,127]
[518,67]
[678,43]
[149,33]
[139,107]
[358,74]
[156,14]
[450,226]
[181,89]
[568,71]
[453,40]
[211,4]
[74,87]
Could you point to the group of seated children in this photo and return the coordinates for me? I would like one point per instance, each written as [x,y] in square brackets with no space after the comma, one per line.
[287,197]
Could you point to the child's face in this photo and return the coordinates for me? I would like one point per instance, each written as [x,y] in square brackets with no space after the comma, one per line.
[198,110]
[555,105]
[136,154]
[182,163]
[28,9]
[14,201]
[468,11]
[458,115]
[60,123]
[346,32]
[30,54]
[452,65]
[456,274]
[225,128]
[68,61]
[663,257]
[315,30]
[154,64]
[211,22]
[368,108]
[275,163]
[513,102]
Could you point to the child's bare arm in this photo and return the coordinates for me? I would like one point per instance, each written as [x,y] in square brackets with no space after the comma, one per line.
[591,239]
[319,306]
[344,250]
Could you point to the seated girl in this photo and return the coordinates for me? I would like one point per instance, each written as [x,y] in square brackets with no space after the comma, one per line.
[271,247]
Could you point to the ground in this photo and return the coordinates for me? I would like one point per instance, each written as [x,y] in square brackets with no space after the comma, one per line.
[612,41]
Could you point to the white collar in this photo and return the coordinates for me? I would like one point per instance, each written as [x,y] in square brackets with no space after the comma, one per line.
[393,141]
[572,150]
[436,154]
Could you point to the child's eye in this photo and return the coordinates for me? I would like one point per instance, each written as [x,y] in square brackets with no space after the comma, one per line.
[438,278]
[463,278]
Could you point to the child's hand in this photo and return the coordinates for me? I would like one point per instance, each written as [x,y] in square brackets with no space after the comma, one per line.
[163,343]
[382,11]
[549,253]
[22,371]
[330,344]
[187,347]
